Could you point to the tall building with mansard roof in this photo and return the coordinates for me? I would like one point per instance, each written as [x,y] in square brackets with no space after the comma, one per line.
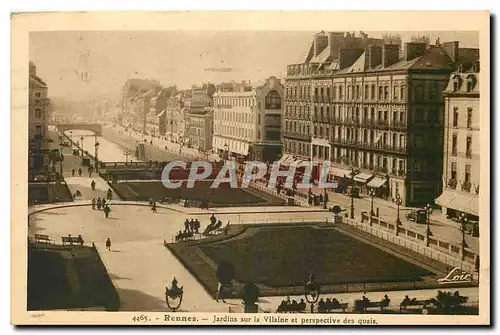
[374,107]
[461,146]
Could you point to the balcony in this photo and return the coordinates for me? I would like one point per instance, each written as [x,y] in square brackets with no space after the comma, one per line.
[369,145]
[297,135]
[466,186]
[452,183]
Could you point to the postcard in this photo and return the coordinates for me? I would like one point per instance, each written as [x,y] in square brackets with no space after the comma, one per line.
[250,168]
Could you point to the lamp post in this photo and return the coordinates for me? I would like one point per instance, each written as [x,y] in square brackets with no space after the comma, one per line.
[226,152]
[463,223]
[372,195]
[428,211]
[81,139]
[71,137]
[354,173]
[96,155]
[312,291]
[399,201]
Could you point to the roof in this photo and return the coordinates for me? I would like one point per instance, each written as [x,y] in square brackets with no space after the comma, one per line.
[463,88]
[34,80]
[434,58]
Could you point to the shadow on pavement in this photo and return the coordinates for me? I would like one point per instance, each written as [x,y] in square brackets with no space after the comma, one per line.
[133,300]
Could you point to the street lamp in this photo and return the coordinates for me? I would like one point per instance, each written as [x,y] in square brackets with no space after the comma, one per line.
[463,224]
[312,291]
[71,137]
[173,296]
[428,211]
[399,201]
[354,173]
[226,151]
[372,195]
[96,155]
[81,139]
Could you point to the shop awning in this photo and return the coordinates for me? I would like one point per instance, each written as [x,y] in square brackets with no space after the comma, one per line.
[467,203]
[339,172]
[362,177]
[377,182]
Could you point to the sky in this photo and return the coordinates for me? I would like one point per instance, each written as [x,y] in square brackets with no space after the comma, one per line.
[80,65]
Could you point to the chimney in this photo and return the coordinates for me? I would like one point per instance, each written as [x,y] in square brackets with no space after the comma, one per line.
[451,49]
[334,42]
[390,54]
[347,57]
[374,56]
[413,50]
[320,43]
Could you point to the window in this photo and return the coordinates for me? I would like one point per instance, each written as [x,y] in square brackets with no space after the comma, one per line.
[38,113]
[419,92]
[433,91]
[315,92]
[467,173]
[372,113]
[468,147]
[273,100]
[38,130]
[454,170]
[38,94]
[386,92]
[471,83]
[469,117]
[334,92]
[380,92]
[328,92]
[365,113]
[395,93]
[455,116]
[385,115]
[419,115]
[366,92]
[454,141]
[372,95]
[340,93]
[456,83]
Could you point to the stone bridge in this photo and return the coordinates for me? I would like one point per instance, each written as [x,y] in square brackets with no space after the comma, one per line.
[95,127]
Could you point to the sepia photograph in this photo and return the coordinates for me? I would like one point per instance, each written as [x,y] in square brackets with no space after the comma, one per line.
[308,176]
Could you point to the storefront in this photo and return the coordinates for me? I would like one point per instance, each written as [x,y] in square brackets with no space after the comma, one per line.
[453,203]
[380,185]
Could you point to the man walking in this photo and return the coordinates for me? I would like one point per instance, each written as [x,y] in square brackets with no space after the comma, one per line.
[108,244]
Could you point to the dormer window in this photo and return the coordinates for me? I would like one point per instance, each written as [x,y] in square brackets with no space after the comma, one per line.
[456,83]
[471,83]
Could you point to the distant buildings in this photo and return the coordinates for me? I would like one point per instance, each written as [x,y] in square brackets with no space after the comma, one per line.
[367,104]
[38,120]
[247,122]
[461,145]
[198,118]
[136,98]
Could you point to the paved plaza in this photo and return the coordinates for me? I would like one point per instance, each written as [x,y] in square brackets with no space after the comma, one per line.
[140,266]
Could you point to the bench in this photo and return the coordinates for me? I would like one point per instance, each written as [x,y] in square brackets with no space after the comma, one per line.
[42,238]
[71,240]
[363,306]
[416,304]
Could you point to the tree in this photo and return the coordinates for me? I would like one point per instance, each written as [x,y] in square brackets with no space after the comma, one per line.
[225,272]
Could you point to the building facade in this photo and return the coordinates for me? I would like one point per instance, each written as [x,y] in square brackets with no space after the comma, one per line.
[247,123]
[376,108]
[38,119]
[199,128]
[461,146]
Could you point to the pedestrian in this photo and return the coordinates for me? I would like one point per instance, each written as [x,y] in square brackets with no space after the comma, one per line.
[103,201]
[99,203]
[92,185]
[108,244]
[80,240]
[153,207]
[93,203]
[110,194]
[106,211]
[72,172]
[80,172]
[191,225]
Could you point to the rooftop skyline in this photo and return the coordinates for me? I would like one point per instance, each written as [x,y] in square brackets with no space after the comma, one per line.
[79,65]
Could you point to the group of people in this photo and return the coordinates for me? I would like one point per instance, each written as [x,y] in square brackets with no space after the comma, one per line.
[101,203]
[327,305]
[214,225]
[79,239]
[73,172]
[316,200]
[191,227]
[291,306]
